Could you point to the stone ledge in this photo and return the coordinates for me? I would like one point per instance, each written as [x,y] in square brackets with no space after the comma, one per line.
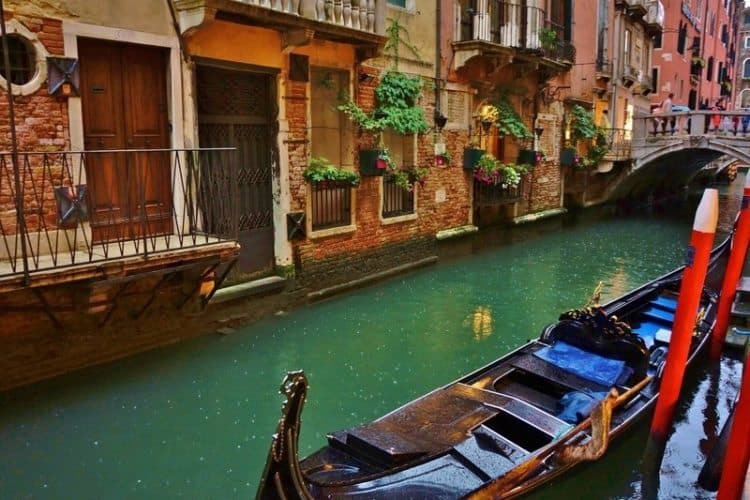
[255,287]
[538,215]
[455,232]
[325,292]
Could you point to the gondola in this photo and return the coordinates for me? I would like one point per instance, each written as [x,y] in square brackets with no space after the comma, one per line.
[510,426]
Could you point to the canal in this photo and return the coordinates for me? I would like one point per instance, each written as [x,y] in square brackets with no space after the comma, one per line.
[194,420]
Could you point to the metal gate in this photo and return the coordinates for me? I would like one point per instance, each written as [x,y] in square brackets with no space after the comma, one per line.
[237,109]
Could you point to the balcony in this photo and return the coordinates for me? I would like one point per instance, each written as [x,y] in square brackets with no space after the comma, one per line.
[505,31]
[637,8]
[644,86]
[620,145]
[486,195]
[629,75]
[360,22]
[87,213]
[654,17]
[603,69]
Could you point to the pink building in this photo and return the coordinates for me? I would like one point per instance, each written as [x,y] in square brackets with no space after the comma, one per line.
[695,57]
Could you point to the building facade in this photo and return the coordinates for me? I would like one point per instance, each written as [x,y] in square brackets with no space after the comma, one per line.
[696,55]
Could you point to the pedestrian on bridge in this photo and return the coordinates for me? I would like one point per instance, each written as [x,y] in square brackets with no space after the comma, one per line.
[666,107]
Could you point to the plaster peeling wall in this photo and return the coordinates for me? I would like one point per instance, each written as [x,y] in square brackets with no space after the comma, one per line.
[148,16]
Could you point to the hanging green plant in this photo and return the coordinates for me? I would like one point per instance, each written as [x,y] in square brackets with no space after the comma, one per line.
[396,102]
[320,170]
[548,38]
[583,128]
[509,122]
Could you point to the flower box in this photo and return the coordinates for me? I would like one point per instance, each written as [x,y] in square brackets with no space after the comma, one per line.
[530,157]
[370,163]
[569,158]
[471,157]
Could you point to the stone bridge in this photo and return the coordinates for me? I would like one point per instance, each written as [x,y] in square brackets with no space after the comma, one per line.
[668,150]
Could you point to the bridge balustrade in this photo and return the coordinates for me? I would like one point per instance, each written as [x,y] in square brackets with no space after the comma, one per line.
[692,123]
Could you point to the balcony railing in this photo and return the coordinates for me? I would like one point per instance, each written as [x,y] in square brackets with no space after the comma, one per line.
[63,209]
[356,14]
[620,145]
[491,195]
[655,16]
[513,26]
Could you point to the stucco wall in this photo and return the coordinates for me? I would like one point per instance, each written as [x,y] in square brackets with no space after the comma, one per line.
[151,16]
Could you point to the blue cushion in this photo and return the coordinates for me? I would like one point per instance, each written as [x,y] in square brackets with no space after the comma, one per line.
[598,369]
[575,406]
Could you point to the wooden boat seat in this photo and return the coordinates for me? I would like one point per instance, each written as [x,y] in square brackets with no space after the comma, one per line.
[437,422]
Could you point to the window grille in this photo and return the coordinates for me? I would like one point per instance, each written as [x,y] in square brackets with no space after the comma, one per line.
[21,57]
[396,200]
[331,205]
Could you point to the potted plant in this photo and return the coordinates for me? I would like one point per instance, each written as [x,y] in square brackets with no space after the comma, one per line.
[406,178]
[569,157]
[325,174]
[531,157]
[443,159]
[698,62]
[472,154]
[396,108]
[548,38]
[493,172]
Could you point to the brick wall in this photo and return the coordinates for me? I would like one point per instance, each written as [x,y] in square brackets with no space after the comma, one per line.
[41,124]
[375,246]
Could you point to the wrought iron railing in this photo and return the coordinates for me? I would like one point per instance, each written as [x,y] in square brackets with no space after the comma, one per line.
[619,144]
[489,195]
[69,208]
[514,26]
[331,205]
[396,200]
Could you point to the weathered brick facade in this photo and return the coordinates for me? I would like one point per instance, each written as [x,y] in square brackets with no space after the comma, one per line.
[374,245]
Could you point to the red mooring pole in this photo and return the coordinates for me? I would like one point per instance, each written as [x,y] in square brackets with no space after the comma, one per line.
[738,450]
[694,275]
[732,274]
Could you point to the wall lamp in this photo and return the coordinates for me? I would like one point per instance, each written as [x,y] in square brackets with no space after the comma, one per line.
[440,120]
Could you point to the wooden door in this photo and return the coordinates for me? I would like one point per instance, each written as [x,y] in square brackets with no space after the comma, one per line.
[123,90]
[236,109]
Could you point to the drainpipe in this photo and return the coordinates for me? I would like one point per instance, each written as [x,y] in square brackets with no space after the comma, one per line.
[704,35]
[438,53]
[20,221]
[616,44]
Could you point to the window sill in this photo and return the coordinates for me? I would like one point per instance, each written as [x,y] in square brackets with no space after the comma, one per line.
[333,231]
[400,218]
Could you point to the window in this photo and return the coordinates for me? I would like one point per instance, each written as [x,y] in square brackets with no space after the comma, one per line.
[720,73]
[331,205]
[746,69]
[655,79]
[27,57]
[626,48]
[681,39]
[747,18]
[747,42]
[396,200]
[745,98]
[657,40]
[710,69]
[22,59]
[398,3]
[330,130]
[330,138]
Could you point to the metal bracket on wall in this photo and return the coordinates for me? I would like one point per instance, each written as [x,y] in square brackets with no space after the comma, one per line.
[295,225]
[47,308]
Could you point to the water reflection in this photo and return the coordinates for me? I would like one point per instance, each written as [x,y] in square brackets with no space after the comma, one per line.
[481,322]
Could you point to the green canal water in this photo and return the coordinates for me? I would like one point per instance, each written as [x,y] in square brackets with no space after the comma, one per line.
[195,420]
